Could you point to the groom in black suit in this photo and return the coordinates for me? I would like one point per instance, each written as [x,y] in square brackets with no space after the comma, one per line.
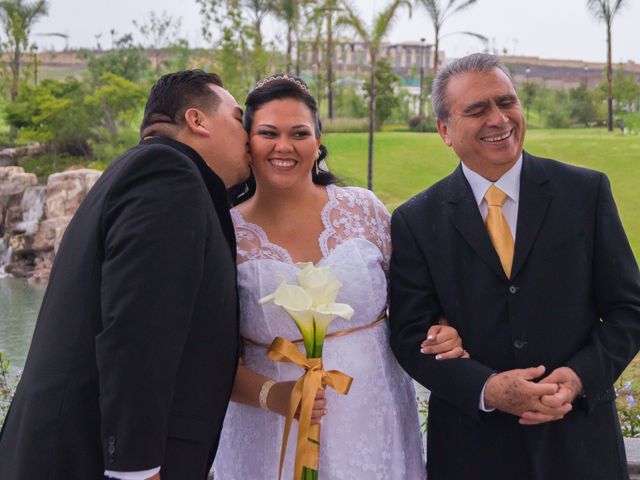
[135,348]
[527,258]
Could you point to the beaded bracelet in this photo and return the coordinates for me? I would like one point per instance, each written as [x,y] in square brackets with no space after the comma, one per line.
[264,393]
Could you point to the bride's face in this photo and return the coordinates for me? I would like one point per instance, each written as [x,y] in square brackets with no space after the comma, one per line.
[283,143]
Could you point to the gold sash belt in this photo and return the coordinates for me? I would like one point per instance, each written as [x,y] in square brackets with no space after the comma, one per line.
[381,318]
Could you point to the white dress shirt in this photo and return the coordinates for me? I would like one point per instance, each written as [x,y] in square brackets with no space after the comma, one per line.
[142,475]
[509,183]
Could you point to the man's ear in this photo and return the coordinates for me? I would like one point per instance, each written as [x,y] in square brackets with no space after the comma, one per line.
[196,121]
[444,132]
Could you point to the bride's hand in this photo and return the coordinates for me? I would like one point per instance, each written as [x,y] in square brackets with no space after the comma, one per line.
[278,401]
[444,342]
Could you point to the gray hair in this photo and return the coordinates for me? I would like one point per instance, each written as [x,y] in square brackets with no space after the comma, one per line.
[476,62]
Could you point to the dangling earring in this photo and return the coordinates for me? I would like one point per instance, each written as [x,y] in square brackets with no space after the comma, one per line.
[317,163]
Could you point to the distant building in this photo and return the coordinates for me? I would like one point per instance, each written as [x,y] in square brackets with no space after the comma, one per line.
[562,74]
[353,58]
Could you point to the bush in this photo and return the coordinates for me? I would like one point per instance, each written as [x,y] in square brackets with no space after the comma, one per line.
[422,124]
[345,125]
[53,113]
[628,409]
[7,388]
[105,152]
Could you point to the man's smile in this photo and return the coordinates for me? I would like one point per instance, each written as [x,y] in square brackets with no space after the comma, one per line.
[497,138]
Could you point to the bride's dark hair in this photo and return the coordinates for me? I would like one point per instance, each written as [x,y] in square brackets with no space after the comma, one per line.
[278,87]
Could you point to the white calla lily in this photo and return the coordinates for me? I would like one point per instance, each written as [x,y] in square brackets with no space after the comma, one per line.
[311,304]
[325,314]
[319,283]
[297,303]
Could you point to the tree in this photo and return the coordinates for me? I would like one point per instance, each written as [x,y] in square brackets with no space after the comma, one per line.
[324,13]
[372,37]
[114,102]
[289,12]
[239,21]
[161,31]
[53,113]
[439,14]
[330,8]
[584,105]
[17,20]
[625,90]
[605,11]
[258,10]
[528,92]
[125,59]
[386,99]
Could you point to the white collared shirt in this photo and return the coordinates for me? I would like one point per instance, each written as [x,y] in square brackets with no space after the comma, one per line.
[142,475]
[509,183]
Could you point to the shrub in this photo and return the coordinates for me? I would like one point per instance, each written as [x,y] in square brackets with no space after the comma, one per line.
[7,388]
[422,124]
[627,398]
[345,125]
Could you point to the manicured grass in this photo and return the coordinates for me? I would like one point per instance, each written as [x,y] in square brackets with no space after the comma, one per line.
[406,163]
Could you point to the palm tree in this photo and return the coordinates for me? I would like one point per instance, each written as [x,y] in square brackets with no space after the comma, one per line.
[17,20]
[372,38]
[605,11]
[439,13]
[258,10]
[328,9]
[289,12]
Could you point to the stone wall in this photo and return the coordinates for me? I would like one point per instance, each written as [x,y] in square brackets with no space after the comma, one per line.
[33,217]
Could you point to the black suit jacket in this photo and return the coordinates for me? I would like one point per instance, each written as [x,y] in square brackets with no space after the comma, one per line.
[135,348]
[573,299]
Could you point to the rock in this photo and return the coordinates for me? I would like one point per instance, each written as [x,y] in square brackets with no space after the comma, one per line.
[21,244]
[50,233]
[10,156]
[14,180]
[66,190]
[34,218]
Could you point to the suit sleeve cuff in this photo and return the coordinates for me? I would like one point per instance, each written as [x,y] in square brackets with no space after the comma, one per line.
[141,475]
[481,404]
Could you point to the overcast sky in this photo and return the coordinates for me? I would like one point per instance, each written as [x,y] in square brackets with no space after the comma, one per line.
[561,29]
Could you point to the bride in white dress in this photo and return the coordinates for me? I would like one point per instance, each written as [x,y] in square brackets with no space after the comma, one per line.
[297,214]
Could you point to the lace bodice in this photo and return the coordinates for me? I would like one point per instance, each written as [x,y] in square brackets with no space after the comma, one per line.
[350,213]
[371,433]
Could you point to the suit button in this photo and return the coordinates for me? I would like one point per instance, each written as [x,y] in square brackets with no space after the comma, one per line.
[519,344]
[513,289]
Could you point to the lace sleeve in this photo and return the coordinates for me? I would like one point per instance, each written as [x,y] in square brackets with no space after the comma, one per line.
[382,231]
[356,212]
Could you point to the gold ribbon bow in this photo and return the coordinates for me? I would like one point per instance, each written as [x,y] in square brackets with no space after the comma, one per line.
[304,394]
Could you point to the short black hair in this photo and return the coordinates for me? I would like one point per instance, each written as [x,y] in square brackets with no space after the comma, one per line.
[174,93]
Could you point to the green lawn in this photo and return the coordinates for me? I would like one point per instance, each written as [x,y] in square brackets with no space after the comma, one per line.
[406,163]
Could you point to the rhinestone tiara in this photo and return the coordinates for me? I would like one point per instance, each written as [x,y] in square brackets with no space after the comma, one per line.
[286,77]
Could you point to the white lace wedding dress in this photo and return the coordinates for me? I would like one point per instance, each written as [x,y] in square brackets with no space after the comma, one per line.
[371,433]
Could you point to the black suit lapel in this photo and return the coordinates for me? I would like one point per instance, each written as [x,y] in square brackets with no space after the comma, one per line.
[532,208]
[467,220]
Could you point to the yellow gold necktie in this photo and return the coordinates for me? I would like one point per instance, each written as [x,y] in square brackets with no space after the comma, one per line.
[498,228]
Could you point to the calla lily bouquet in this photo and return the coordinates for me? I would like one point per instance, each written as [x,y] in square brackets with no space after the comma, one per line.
[312,306]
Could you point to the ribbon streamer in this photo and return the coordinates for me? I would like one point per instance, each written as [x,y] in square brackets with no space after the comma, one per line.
[303,395]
